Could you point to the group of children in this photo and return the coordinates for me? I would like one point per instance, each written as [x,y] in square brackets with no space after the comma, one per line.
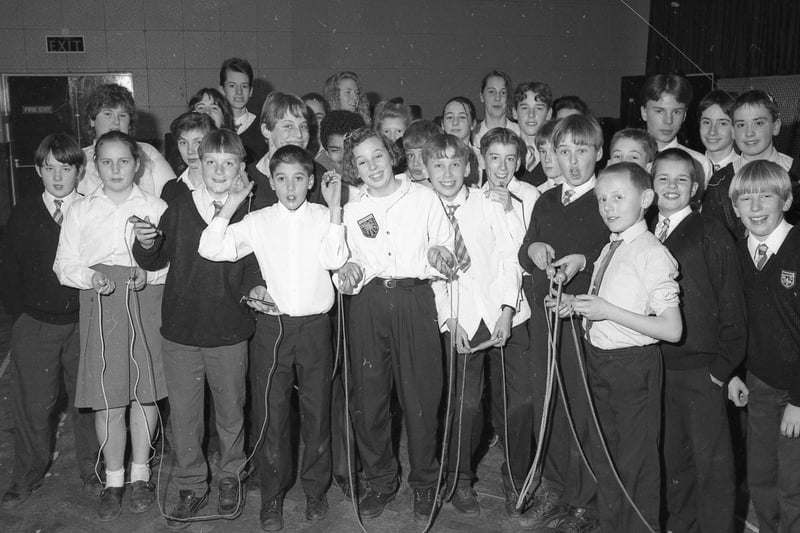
[358,257]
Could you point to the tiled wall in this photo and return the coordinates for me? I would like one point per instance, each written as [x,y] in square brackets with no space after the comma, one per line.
[424,50]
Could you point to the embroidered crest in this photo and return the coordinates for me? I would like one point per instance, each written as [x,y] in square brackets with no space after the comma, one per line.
[787,279]
[369,226]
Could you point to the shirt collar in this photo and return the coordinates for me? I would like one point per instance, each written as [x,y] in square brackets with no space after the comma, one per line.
[581,189]
[672,144]
[675,218]
[631,233]
[297,212]
[774,240]
[263,165]
[184,177]
[136,192]
[771,155]
[205,197]
[50,200]
[460,199]
[725,161]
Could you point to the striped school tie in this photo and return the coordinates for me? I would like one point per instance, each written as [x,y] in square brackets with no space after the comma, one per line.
[661,234]
[462,256]
[567,197]
[598,278]
[761,256]
[58,216]
[217,207]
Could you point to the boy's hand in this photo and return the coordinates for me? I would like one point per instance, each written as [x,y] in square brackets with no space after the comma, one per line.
[568,266]
[738,392]
[460,336]
[102,284]
[502,329]
[332,189]
[145,232]
[593,308]
[238,193]
[790,422]
[541,254]
[138,279]
[442,260]
[350,275]
[260,293]
[501,196]
[565,306]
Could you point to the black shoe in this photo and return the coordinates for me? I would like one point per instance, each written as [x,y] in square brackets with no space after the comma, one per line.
[187,507]
[92,486]
[229,497]
[143,494]
[511,505]
[110,505]
[466,501]
[424,500]
[272,515]
[316,508]
[15,496]
[577,522]
[373,503]
[546,512]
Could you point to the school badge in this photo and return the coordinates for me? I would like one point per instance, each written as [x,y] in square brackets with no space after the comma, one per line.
[369,226]
[788,279]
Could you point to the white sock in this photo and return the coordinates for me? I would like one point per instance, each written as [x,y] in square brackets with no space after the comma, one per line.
[115,479]
[140,472]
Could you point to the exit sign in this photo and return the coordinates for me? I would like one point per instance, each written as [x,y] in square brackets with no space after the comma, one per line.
[64,45]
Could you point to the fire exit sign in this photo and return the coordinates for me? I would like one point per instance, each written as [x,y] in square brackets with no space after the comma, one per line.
[64,45]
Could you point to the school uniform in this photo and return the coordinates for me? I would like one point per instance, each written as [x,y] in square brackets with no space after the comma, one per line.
[773,367]
[249,131]
[177,187]
[483,130]
[523,198]
[698,455]
[205,330]
[531,171]
[153,173]
[717,203]
[96,236]
[264,196]
[295,250]
[393,334]
[625,376]
[697,156]
[44,339]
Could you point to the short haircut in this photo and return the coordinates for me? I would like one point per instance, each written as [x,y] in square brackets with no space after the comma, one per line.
[545,133]
[191,121]
[466,103]
[290,155]
[757,97]
[541,93]
[643,137]
[316,97]
[638,176]
[440,144]
[391,109]
[503,136]
[65,150]
[278,105]
[339,122]
[235,64]
[418,133]
[723,99]
[110,95]
[680,155]
[674,84]
[582,130]
[118,136]
[570,102]
[219,100]
[222,142]
[497,74]
[761,176]
[357,137]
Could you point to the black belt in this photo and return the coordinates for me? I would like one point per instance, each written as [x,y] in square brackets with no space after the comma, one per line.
[397,283]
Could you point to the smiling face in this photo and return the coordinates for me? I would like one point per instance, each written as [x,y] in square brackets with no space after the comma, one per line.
[207,106]
[111,119]
[761,212]
[116,167]
[530,114]
[447,174]
[495,97]
[630,150]
[237,90]
[59,178]
[290,129]
[716,131]
[620,203]
[291,184]
[188,143]
[457,121]
[664,118]
[753,129]
[348,94]
[502,161]
[374,166]
[577,161]
[673,185]
[219,172]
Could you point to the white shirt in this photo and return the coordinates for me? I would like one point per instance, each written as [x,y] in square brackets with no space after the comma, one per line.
[773,155]
[294,249]
[674,220]
[389,237]
[96,231]
[205,203]
[184,177]
[580,190]
[153,173]
[494,277]
[243,122]
[66,202]
[483,130]
[724,162]
[521,206]
[697,156]
[551,183]
[773,241]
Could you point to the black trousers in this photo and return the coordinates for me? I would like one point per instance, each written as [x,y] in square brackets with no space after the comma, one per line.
[304,358]
[698,454]
[395,343]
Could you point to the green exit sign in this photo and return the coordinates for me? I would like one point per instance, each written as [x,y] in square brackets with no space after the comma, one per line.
[64,45]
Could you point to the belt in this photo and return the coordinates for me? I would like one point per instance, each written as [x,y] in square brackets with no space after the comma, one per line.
[398,283]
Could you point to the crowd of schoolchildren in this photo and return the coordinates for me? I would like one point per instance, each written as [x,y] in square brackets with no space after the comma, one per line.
[449,260]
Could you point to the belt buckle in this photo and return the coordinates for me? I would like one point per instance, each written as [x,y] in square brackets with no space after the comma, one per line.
[390,283]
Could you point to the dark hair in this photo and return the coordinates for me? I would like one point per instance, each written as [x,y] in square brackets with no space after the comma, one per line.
[643,137]
[541,93]
[503,136]
[723,99]
[583,130]
[118,136]
[545,133]
[339,122]
[110,95]
[674,84]
[316,97]
[278,104]
[219,100]
[235,64]
[419,132]
[757,97]
[464,101]
[191,121]
[570,102]
[496,74]
[357,137]
[289,155]
[638,176]
[441,143]
[679,155]
[222,142]
[65,149]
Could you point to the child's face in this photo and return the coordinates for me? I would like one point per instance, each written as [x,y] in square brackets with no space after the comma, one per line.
[494,97]
[761,212]
[447,175]
[629,150]
[716,130]
[207,106]
[393,128]
[317,108]
[348,94]
[620,203]
[374,165]
[291,183]
[664,118]
[111,119]
[672,182]
[502,161]
[577,161]
[290,129]
[416,167]
[549,161]
[219,172]
[188,142]
[59,178]
[530,114]
[335,150]
[237,89]
[457,121]
[753,129]
[116,166]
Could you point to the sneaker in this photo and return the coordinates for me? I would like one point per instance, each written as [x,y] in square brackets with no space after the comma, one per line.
[110,505]
[423,503]
[187,507]
[229,503]
[143,494]
[272,515]
[546,512]
[316,508]
[466,501]
[373,503]
[577,522]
